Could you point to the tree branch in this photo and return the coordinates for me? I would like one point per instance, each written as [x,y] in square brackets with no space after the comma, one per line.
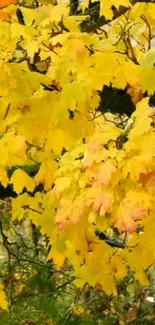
[149,31]
[103,21]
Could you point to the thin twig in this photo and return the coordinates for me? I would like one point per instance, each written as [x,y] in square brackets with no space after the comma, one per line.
[7,111]
[149,31]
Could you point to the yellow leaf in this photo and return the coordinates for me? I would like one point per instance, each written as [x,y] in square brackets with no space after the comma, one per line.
[46,173]
[148,79]
[20,180]
[59,11]
[57,256]
[106,6]
[3,301]
[3,176]
[119,267]
[149,58]
[85,4]
[118,3]
[56,141]
[106,9]
[142,277]
[61,184]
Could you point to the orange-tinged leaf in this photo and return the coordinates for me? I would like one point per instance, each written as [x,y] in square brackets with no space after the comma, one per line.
[98,287]
[4,16]
[148,180]
[127,214]
[132,313]
[5,3]
[103,199]
[94,144]
[105,172]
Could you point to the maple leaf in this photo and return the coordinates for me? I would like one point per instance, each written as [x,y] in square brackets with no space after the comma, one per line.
[5,3]
[106,7]
[145,261]
[119,266]
[18,212]
[4,16]
[103,199]
[64,212]
[21,180]
[127,214]
[19,144]
[105,172]
[94,145]
[61,184]
[58,257]
[45,174]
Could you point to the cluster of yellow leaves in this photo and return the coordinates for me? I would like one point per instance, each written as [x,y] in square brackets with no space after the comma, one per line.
[94,184]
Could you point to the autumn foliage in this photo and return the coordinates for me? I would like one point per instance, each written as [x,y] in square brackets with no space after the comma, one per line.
[98,170]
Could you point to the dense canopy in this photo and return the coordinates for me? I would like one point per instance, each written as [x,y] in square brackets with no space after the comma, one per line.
[75,106]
